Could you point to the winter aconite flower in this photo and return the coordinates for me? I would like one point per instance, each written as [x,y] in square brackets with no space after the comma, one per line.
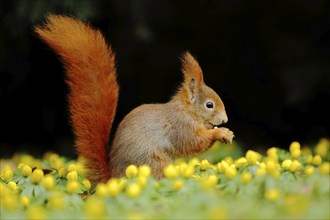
[72,167]
[323,147]
[131,171]
[295,166]
[13,186]
[170,171]
[24,201]
[204,165]
[286,164]
[272,194]
[230,172]
[72,187]
[246,178]
[133,190]
[72,176]
[177,185]
[36,212]
[241,162]
[57,200]
[309,170]
[325,168]
[144,170]
[87,184]
[95,208]
[252,157]
[209,182]
[26,170]
[317,160]
[48,182]
[142,181]
[101,190]
[7,174]
[113,187]
[37,176]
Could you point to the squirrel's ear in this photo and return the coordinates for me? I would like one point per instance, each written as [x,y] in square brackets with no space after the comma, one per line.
[193,75]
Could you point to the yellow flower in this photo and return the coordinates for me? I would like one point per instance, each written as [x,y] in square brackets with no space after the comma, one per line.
[9,202]
[177,185]
[72,167]
[25,201]
[20,166]
[36,212]
[72,187]
[323,147]
[7,174]
[57,200]
[261,171]
[270,167]
[131,171]
[80,168]
[142,181]
[133,190]
[286,164]
[230,172]
[101,190]
[62,172]
[241,162]
[186,170]
[317,160]
[209,182]
[113,187]
[48,182]
[294,146]
[246,178]
[222,166]
[272,151]
[144,170]
[295,153]
[26,170]
[272,194]
[72,176]
[95,208]
[252,157]
[309,170]
[325,168]
[229,160]
[309,159]
[273,158]
[219,212]
[295,166]
[37,176]
[194,161]
[87,184]
[3,190]
[13,186]
[204,165]
[170,171]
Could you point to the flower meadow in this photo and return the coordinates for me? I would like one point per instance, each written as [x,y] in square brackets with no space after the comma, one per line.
[223,183]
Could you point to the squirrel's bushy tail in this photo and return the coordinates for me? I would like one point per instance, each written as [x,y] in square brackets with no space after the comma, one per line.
[91,76]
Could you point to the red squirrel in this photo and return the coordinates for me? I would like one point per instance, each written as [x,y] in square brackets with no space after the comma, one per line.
[150,134]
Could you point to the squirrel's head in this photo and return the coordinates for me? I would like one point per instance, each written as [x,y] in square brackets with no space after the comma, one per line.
[204,103]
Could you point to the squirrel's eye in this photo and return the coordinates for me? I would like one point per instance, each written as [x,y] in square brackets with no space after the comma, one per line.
[209,105]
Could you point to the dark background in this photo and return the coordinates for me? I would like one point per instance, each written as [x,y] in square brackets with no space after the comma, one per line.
[268,60]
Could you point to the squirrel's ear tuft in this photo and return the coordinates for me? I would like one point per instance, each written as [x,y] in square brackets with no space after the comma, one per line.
[192,72]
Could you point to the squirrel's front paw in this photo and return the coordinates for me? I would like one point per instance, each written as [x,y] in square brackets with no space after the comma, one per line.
[224,134]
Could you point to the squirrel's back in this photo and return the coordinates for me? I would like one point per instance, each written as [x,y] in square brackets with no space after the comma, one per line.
[91,76]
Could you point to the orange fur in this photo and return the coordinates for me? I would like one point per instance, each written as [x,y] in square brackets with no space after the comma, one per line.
[91,76]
